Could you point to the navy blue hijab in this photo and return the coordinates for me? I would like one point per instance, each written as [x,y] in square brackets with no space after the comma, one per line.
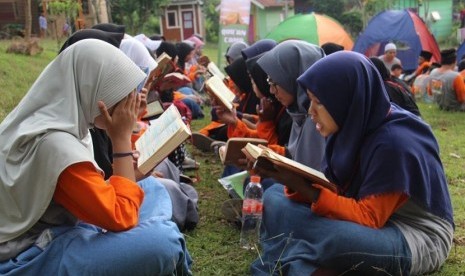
[379,147]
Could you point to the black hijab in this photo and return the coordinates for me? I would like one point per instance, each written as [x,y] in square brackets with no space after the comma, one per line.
[110,27]
[397,94]
[184,49]
[112,38]
[282,120]
[168,48]
[237,71]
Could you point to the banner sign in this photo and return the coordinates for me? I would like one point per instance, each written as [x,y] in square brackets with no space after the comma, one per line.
[234,25]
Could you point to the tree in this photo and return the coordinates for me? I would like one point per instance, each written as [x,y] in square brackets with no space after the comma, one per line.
[212,17]
[67,8]
[332,8]
[27,46]
[136,14]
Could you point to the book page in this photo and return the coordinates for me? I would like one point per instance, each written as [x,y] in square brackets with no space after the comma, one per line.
[268,159]
[153,108]
[215,71]
[220,91]
[233,148]
[253,150]
[273,155]
[161,136]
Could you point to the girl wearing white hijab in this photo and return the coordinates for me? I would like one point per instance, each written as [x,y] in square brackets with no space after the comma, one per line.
[58,214]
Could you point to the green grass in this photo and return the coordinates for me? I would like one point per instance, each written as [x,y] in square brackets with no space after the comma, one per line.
[214,243]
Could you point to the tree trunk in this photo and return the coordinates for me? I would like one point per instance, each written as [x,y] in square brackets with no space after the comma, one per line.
[28,21]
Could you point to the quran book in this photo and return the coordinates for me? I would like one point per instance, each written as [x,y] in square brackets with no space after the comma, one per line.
[215,71]
[267,159]
[164,67]
[174,80]
[163,136]
[153,109]
[233,147]
[218,90]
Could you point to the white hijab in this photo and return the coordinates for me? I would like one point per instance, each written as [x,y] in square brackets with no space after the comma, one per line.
[138,53]
[44,134]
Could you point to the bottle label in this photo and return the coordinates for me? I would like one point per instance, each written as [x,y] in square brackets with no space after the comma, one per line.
[252,206]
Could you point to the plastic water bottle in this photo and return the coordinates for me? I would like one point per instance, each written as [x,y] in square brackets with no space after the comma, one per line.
[252,209]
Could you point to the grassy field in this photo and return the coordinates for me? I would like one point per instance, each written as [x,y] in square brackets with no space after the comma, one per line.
[214,243]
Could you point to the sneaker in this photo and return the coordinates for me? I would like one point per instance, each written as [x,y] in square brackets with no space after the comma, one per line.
[202,142]
[190,164]
[215,146]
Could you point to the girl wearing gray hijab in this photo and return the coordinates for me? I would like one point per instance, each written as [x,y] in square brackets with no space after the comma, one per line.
[59,216]
[283,65]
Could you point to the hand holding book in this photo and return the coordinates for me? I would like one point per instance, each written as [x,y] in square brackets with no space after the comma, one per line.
[287,171]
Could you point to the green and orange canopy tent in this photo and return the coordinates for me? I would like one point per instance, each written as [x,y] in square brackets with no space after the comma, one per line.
[314,28]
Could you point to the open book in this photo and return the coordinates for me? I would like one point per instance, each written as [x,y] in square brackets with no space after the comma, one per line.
[214,70]
[153,109]
[161,138]
[165,66]
[174,80]
[268,159]
[220,92]
[233,153]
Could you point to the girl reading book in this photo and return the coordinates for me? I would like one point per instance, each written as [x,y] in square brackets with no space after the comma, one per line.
[392,212]
[58,214]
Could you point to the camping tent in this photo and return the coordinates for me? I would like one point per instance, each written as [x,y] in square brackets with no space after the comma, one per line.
[314,28]
[460,51]
[403,27]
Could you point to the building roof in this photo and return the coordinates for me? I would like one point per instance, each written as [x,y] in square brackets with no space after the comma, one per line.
[272,3]
[184,2]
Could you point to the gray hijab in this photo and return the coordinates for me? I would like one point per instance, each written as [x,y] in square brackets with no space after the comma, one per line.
[45,133]
[284,64]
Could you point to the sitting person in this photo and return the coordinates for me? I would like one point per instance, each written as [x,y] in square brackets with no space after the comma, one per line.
[397,94]
[446,84]
[392,212]
[283,65]
[70,219]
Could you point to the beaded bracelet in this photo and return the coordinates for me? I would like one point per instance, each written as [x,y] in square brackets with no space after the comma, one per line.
[133,154]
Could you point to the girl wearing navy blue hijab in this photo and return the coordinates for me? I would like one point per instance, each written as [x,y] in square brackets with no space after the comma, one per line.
[392,211]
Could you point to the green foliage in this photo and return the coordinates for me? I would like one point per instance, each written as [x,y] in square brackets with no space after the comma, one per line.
[332,8]
[372,7]
[352,22]
[68,8]
[212,19]
[138,15]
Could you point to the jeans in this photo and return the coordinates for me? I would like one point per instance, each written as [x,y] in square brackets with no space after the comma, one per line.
[154,247]
[296,241]
[197,112]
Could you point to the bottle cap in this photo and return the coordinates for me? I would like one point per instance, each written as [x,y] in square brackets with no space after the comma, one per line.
[255,178]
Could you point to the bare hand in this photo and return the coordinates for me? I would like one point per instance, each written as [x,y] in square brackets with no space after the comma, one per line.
[226,116]
[293,181]
[120,123]
[266,110]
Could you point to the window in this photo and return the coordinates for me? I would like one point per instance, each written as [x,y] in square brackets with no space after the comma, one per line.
[171,19]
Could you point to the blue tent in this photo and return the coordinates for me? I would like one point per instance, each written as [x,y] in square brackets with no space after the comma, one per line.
[460,51]
[403,27]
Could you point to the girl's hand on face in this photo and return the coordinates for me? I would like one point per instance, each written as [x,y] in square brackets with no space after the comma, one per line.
[120,123]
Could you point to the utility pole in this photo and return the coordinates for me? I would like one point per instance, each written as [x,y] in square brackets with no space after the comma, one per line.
[286,9]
